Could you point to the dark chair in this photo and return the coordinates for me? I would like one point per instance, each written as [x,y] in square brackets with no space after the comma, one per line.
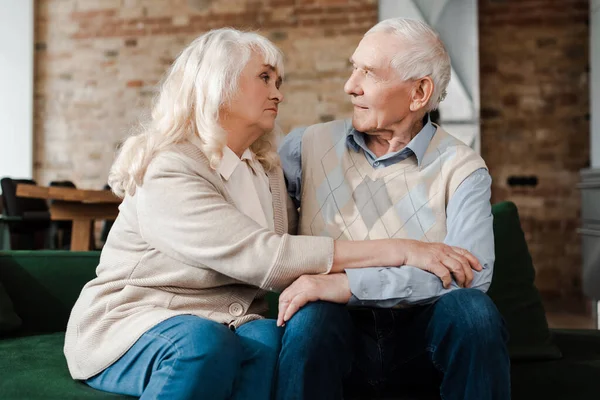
[28,218]
[62,230]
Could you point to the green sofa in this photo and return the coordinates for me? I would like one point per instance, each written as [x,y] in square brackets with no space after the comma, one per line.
[43,285]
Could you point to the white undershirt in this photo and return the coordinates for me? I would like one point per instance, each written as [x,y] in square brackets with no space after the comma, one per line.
[248,185]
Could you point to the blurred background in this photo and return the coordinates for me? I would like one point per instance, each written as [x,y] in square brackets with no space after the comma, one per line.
[76,75]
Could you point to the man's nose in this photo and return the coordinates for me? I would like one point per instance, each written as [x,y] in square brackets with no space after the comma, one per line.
[352,86]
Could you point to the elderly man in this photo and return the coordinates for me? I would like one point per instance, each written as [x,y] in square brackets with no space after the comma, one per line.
[391,172]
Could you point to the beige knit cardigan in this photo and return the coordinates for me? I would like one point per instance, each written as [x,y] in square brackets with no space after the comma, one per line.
[180,246]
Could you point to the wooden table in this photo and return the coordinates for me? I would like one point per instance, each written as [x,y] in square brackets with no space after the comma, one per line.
[81,207]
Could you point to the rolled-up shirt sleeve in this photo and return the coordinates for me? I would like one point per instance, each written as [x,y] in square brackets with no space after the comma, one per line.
[469,226]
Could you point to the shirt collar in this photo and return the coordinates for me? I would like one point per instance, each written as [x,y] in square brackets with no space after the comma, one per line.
[231,161]
[418,145]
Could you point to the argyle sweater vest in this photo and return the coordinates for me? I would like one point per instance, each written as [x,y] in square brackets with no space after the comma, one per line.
[344,197]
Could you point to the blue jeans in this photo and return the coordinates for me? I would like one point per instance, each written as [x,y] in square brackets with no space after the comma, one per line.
[188,357]
[316,353]
[455,347]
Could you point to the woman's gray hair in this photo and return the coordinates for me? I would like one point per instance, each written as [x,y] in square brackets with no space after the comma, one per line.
[203,79]
[424,54]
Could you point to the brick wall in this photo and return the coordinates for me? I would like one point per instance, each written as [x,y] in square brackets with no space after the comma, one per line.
[98,61]
[535,123]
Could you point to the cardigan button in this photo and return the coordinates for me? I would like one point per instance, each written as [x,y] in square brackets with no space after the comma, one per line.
[236,309]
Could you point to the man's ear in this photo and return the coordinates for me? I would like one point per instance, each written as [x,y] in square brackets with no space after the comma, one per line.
[421,93]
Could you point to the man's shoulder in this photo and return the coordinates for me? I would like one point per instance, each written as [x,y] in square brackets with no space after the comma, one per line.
[446,139]
[449,146]
[452,151]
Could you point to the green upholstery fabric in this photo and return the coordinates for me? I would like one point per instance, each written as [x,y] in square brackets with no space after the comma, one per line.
[44,285]
[513,290]
[9,320]
[573,377]
[34,368]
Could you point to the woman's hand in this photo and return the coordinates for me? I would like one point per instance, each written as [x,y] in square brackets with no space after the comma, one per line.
[444,261]
[333,288]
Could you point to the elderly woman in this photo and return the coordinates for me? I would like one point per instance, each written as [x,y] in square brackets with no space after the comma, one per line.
[176,311]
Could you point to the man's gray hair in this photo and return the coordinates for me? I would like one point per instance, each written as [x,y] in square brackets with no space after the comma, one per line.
[425,54]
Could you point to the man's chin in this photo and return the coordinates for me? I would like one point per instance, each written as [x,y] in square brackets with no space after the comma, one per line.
[360,124]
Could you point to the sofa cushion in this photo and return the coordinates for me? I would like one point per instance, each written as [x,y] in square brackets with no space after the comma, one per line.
[513,290]
[44,285]
[9,320]
[572,377]
[34,367]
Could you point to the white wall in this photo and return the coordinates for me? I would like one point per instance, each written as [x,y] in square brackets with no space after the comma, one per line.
[16,88]
[595,81]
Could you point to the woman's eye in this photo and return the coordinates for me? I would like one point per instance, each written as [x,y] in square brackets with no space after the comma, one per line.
[265,77]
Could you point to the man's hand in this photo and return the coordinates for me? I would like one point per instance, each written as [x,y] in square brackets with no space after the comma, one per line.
[444,261]
[333,288]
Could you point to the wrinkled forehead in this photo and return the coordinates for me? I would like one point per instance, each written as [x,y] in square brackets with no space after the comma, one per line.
[376,50]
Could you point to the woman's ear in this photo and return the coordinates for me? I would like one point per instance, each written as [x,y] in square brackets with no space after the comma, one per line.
[422,92]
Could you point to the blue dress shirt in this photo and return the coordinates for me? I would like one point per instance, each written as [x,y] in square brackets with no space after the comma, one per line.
[468,216]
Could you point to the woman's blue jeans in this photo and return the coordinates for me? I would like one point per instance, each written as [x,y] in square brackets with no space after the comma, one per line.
[188,357]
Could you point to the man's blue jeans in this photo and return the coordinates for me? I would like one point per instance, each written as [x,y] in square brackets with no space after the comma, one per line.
[187,357]
[455,347]
[316,353]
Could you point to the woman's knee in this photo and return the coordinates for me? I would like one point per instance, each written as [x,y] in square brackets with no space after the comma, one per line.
[198,341]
